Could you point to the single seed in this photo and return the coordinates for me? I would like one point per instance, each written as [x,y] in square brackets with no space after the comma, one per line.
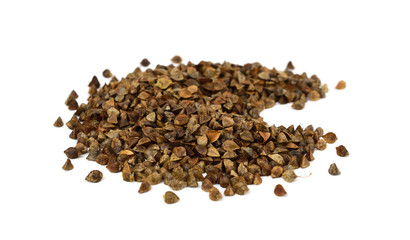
[145,62]
[68,165]
[258,179]
[276,172]
[214,194]
[229,191]
[206,185]
[279,190]
[72,153]
[94,176]
[333,170]
[58,122]
[170,197]
[314,95]
[330,137]
[342,151]
[176,59]
[107,73]
[341,85]
[144,187]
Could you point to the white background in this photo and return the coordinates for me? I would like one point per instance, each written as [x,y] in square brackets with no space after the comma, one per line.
[48,48]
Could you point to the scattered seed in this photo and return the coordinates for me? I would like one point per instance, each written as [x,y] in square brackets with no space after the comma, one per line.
[176,59]
[94,176]
[145,62]
[107,73]
[68,165]
[342,151]
[330,137]
[341,85]
[170,197]
[279,190]
[333,170]
[289,175]
[58,122]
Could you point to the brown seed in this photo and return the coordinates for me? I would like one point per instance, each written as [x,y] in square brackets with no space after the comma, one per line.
[314,95]
[213,135]
[191,181]
[333,170]
[277,158]
[185,93]
[73,96]
[58,122]
[94,83]
[170,197]
[282,138]
[154,178]
[177,185]
[213,152]
[258,179]
[279,190]
[265,136]
[289,175]
[341,85]
[304,163]
[202,140]
[145,62]
[107,73]
[321,144]
[240,188]
[330,137]
[230,145]
[276,172]
[342,151]
[144,187]
[176,59]
[94,176]
[206,185]
[126,173]
[163,82]
[68,165]
[290,66]
[214,194]
[181,119]
[227,121]
[229,191]
[72,153]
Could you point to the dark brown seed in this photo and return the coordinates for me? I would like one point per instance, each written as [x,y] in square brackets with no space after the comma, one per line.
[58,122]
[72,153]
[290,66]
[145,62]
[94,176]
[333,170]
[73,96]
[342,151]
[330,137]
[341,85]
[107,73]
[206,185]
[144,187]
[289,175]
[279,190]
[170,197]
[68,165]
[229,191]
[94,83]
[176,59]
[214,194]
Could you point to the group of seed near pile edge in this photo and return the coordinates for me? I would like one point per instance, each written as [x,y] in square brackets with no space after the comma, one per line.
[184,124]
